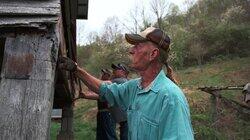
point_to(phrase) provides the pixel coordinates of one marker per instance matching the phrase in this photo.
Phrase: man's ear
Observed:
(154, 54)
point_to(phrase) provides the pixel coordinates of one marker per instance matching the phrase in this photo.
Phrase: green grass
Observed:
(83, 129)
(84, 123)
(222, 73)
(54, 129)
(219, 73)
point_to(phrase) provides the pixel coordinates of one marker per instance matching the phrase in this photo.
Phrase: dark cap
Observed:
(119, 66)
(152, 34)
(106, 71)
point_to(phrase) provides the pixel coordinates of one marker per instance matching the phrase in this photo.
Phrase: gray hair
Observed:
(163, 59)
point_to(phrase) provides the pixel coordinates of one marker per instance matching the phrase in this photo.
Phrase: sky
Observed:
(100, 10)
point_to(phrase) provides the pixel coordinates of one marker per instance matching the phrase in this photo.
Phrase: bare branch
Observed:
(159, 9)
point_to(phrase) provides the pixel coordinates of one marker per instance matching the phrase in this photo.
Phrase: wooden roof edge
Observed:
(82, 9)
(29, 11)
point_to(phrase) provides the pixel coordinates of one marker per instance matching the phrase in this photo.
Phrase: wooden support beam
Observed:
(66, 132)
(34, 31)
(27, 85)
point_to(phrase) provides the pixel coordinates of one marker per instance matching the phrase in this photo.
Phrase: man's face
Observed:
(117, 73)
(105, 76)
(140, 56)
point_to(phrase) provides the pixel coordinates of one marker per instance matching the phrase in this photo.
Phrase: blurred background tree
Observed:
(206, 30)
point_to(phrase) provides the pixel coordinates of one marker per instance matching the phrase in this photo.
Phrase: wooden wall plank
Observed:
(29, 11)
(31, 21)
(26, 104)
(11, 108)
(31, 3)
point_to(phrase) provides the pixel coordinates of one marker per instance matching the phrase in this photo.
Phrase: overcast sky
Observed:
(100, 10)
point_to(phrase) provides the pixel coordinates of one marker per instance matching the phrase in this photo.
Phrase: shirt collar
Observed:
(155, 84)
(119, 80)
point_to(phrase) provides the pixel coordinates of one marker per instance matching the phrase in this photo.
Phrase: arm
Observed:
(90, 81)
(90, 95)
(114, 94)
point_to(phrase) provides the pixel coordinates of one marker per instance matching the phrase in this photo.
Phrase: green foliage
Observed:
(234, 14)
(208, 29)
(102, 54)
(219, 73)
(208, 133)
(54, 129)
(83, 128)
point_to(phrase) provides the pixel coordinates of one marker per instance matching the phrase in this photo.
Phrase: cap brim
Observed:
(102, 70)
(134, 39)
(113, 66)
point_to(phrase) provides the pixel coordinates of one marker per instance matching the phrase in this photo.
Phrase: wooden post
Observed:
(27, 85)
(66, 132)
(214, 108)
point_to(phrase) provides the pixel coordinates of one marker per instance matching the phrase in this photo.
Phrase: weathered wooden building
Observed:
(33, 33)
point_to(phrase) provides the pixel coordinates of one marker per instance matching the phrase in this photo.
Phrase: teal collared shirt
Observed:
(159, 112)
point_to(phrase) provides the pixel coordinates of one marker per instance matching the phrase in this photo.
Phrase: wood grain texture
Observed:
(28, 21)
(31, 3)
(26, 104)
(28, 13)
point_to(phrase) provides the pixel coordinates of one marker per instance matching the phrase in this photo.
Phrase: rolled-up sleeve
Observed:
(115, 94)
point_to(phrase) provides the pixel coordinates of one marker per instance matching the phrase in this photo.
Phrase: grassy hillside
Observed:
(84, 121)
(229, 125)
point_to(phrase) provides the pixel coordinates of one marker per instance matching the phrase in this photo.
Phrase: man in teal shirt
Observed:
(157, 108)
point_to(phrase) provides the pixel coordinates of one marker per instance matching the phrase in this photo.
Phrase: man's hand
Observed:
(67, 64)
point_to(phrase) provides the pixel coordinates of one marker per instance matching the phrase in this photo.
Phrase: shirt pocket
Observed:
(148, 129)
